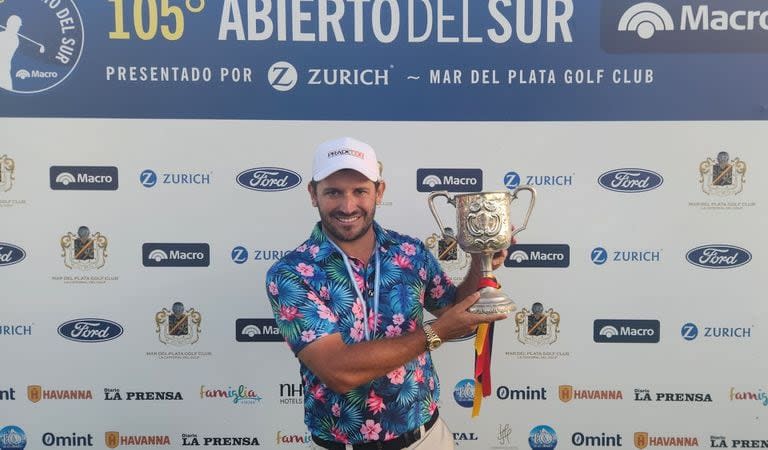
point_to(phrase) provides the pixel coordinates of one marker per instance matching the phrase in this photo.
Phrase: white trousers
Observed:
(439, 437)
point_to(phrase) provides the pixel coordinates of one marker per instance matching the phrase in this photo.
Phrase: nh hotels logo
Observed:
(688, 26)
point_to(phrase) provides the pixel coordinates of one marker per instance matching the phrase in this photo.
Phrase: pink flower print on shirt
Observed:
(305, 270)
(325, 313)
(336, 410)
(408, 248)
(308, 335)
(301, 248)
(375, 403)
(418, 375)
(273, 288)
(411, 325)
(359, 281)
(393, 330)
(371, 325)
(398, 319)
(312, 296)
(432, 408)
(357, 309)
(423, 359)
(370, 430)
(324, 294)
(389, 436)
(437, 291)
(313, 250)
(356, 332)
(288, 313)
(318, 392)
(431, 383)
(397, 376)
(423, 274)
(436, 279)
(339, 435)
(402, 261)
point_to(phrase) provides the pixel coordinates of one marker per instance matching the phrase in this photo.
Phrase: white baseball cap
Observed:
(345, 153)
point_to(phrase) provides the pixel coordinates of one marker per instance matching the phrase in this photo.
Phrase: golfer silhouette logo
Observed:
(40, 44)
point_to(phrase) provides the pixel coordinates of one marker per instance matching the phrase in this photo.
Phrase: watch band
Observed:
(433, 340)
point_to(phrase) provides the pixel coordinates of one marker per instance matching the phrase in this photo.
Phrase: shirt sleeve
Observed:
(440, 290)
(301, 313)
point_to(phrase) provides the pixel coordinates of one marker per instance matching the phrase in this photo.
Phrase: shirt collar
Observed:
(383, 240)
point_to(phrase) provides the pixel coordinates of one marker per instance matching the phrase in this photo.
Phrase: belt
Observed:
(402, 441)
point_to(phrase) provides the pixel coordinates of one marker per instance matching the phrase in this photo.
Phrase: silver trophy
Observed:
(483, 220)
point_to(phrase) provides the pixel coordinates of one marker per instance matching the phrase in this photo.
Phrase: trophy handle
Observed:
(530, 206)
(431, 201)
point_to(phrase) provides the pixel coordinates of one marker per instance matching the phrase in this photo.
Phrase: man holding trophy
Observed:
(350, 303)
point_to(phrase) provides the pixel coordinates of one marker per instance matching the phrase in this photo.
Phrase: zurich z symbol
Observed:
(599, 256)
(630, 180)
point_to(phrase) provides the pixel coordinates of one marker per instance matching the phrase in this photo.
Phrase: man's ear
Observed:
(312, 189)
(380, 192)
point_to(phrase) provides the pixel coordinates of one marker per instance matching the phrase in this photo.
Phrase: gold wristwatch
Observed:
(433, 340)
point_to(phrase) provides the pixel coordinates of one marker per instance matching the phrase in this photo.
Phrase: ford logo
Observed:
(630, 180)
(268, 179)
(11, 254)
(718, 256)
(90, 330)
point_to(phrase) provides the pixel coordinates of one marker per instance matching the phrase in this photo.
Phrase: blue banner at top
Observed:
(430, 60)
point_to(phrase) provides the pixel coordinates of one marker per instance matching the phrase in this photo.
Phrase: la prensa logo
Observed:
(630, 180)
(268, 179)
(718, 256)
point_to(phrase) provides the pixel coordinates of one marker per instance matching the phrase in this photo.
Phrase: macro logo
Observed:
(176, 255)
(90, 330)
(626, 331)
(452, 180)
(630, 180)
(12, 438)
(538, 255)
(464, 393)
(513, 179)
(542, 437)
(149, 178)
(718, 256)
(257, 330)
(83, 178)
(267, 179)
(11, 254)
(684, 26)
(45, 42)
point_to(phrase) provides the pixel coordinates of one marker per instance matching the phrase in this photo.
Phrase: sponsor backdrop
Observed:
(133, 252)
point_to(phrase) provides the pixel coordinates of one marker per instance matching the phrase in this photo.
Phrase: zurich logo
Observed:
(512, 180)
(630, 180)
(599, 255)
(11, 254)
(718, 256)
(268, 179)
(148, 178)
(689, 331)
(90, 330)
(239, 254)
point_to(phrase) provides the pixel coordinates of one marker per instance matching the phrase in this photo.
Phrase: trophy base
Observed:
(492, 301)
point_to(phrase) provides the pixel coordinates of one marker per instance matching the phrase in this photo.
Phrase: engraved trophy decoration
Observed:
(483, 220)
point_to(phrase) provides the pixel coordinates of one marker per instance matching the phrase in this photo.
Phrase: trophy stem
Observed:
(492, 299)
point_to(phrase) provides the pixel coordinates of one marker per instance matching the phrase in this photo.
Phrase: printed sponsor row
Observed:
(537, 326)
(540, 437)
(463, 394)
(718, 177)
(85, 251)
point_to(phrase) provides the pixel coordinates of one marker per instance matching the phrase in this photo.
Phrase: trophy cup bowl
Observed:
(484, 227)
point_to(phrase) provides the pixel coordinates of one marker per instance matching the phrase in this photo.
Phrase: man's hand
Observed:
(456, 321)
